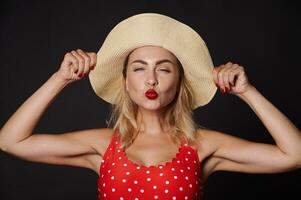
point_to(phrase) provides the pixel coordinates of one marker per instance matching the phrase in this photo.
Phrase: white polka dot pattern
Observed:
(120, 178)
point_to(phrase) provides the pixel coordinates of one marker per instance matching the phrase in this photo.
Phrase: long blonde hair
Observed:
(179, 115)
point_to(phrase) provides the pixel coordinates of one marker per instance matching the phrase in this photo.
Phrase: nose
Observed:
(151, 79)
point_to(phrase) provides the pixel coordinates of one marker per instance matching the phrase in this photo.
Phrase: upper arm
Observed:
(231, 153)
(70, 148)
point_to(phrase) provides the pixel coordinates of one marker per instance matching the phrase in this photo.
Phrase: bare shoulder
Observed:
(100, 139)
(208, 145)
(210, 139)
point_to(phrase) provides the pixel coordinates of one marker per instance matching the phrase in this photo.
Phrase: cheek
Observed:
(132, 84)
(169, 85)
(169, 90)
(129, 84)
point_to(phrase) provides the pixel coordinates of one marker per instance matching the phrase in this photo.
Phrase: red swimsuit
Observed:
(122, 179)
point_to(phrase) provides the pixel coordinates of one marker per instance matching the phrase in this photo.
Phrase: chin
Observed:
(150, 106)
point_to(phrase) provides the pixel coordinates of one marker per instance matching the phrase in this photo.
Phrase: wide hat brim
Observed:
(155, 30)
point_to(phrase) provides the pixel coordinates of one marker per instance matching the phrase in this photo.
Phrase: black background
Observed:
(262, 36)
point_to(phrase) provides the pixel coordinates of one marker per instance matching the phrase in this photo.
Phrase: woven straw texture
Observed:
(156, 30)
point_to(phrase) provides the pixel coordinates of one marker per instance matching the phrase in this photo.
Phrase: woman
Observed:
(155, 71)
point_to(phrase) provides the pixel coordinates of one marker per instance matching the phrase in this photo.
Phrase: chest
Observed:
(151, 153)
(174, 174)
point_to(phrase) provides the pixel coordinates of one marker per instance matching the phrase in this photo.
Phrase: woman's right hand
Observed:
(76, 65)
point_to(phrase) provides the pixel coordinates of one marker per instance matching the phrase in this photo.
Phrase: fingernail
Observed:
(227, 89)
(223, 90)
(217, 85)
(80, 75)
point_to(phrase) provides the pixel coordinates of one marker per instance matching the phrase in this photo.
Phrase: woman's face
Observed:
(152, 67)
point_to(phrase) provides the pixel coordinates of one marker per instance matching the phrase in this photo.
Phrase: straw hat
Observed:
(156, 30)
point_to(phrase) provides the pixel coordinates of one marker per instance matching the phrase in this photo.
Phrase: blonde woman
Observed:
(154, 70)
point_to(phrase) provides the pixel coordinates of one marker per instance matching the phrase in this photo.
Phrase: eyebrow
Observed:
(157, 63)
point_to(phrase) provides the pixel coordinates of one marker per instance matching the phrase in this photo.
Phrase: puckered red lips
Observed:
(151, 94)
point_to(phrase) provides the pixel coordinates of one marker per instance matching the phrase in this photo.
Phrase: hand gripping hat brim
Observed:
(156, 30)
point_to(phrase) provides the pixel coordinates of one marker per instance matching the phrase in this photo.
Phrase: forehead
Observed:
(153, 52)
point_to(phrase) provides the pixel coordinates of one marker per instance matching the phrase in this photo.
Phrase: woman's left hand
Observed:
(231, 78)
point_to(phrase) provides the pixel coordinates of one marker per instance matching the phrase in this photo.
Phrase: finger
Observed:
(229, 63)
(81, 63)
(218, 70)
(86, 61)
(228, 75)
(241, 74)
(223, 78)
(232, 74)
(93, 57)
(215, 78)
(68, 58)
(71, 60)
(226, 78)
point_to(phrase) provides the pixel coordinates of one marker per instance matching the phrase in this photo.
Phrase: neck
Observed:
(152, 122)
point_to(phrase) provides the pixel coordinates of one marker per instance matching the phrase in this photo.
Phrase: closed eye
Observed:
(165, 70)
(137, 69)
